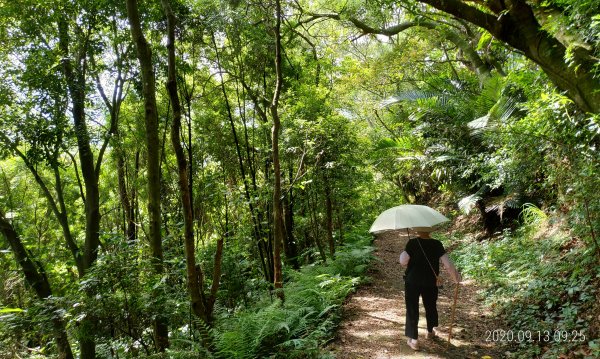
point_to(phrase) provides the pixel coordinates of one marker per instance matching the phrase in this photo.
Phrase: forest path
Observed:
(373, 317)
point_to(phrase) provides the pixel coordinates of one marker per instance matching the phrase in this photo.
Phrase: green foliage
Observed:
(553, 153)
(541, 283)
(444, 131)
(533, 217)
(296, 328)
(31, 328)
(576, 22)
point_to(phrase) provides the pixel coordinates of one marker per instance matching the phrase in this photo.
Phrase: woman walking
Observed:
(421, 258)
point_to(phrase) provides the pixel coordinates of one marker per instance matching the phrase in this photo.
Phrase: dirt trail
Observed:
(373, 324)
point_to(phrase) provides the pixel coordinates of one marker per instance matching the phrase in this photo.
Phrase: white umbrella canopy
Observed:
(413, 216)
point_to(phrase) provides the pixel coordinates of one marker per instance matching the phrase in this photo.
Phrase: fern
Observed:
(532, 216)
(498, 114)
(295, 328)
(409, 95)
(466, 204)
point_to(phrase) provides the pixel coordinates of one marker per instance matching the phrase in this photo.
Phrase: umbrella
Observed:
(413, 216)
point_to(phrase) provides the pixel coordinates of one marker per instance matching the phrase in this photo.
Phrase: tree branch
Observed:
(481, 68)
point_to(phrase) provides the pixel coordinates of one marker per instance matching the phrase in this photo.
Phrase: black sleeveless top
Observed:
(418, 271)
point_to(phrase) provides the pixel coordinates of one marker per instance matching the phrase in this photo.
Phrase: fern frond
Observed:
(532, 216)
(498, 114)
(466, 204)
(409, 95)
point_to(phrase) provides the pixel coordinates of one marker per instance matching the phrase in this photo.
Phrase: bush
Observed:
(545, 285)
(296, 328)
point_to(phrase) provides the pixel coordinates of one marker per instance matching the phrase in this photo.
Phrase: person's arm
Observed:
(447, 262)
(404, 258)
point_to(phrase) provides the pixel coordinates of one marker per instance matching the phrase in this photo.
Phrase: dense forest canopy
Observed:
(168, 165)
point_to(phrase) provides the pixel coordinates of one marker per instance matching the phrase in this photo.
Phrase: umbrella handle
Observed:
(453, 311)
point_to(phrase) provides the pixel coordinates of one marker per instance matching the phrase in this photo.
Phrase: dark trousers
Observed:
(411, 294)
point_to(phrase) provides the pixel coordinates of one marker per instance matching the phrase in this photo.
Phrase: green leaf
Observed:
(484, 40)
(10, 310)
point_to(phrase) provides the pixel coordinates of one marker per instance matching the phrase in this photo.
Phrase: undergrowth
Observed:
(293, 329)
(545, 287)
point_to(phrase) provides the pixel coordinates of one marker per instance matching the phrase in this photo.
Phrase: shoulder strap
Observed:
(426, 258)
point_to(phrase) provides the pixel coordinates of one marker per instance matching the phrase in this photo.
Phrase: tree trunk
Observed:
(315, 226)
(256, 227)
(63, 220)
(126, 201)
(276, 129)
(75, 79)
(144, 54)
(289, 245)
(76, 83)
(200, 304)
(514, 23)
(37, 279)
(113, 105)
(340, 224)
(329, 218)
(267, 240)
(216, 280)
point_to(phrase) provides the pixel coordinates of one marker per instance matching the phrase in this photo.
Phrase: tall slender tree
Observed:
(144, 54)
(201, 303)
(275, 132)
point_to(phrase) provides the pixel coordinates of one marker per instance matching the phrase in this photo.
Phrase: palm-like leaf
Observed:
(466, 204)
